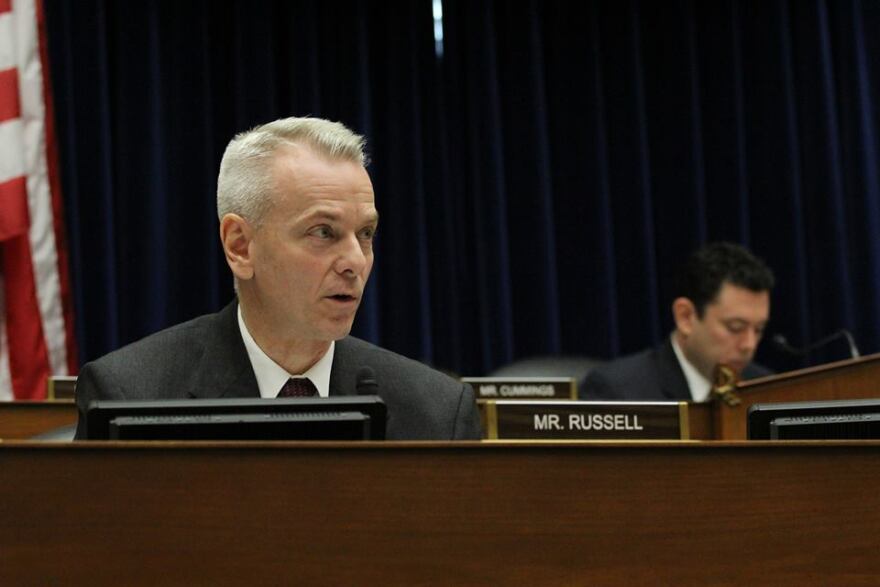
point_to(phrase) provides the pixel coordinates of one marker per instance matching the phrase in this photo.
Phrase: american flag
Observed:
(36, 325)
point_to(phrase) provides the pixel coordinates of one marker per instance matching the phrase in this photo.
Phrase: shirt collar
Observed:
(697, 382)
(271, 376)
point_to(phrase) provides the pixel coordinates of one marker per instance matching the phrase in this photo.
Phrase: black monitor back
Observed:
(332, 418)
(815, 420)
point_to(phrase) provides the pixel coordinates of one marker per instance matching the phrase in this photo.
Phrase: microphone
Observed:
(780, 342)
(365, 381)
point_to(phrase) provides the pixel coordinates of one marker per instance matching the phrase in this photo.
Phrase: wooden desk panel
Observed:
(439, 514)
(24, 419)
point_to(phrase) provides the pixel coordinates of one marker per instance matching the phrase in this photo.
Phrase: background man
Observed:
(720, 311)
(297, 222)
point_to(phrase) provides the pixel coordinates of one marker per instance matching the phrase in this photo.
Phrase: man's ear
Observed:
(236, 235)
(685, 314)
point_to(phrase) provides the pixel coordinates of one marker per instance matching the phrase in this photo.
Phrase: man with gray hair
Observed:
(297, 222)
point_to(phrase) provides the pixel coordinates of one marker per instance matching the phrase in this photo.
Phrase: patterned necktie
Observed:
(299, 387)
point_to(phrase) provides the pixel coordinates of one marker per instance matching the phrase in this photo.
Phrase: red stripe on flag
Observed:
(14, 217)
(10, 106)
(28, 355)
(57, 205)
(5, 6)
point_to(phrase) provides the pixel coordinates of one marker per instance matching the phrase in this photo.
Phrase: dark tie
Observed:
(299, 387)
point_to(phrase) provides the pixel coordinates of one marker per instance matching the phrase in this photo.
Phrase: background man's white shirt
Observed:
(697, 383)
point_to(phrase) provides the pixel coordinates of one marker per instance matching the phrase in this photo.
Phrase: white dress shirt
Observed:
(271, 376)
(697, 382)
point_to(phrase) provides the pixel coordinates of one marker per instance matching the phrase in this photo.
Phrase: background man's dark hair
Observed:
(710, 266)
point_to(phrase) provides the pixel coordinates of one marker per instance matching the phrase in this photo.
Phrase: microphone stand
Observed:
(781, 342)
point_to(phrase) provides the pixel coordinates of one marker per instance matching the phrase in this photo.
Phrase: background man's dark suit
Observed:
(206, 358)
(651, 375)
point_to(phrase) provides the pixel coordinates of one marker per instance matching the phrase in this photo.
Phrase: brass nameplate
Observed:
(566, 420)
(533, 388)
(61, 387)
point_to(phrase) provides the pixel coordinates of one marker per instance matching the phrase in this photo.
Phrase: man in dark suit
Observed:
(297, 221)
(720, 312)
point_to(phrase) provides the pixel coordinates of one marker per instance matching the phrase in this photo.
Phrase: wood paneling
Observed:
(439, 513)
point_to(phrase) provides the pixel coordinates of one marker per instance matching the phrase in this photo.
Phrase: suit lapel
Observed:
(225, 369)
(342, 372)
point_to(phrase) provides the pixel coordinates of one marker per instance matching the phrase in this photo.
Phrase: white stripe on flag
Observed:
(30, 68)
(7, 53)
(11, 155)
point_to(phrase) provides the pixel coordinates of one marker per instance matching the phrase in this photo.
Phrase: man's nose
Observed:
(749, 340)
(352, 258)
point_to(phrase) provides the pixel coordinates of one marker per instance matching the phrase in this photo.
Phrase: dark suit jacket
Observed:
(651, 375)
(206, 358)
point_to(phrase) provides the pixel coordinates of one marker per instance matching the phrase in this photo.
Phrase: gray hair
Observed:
(245, 183)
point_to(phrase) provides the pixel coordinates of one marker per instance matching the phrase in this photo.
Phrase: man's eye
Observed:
(322, 232)
(735, 327)
(368, 233)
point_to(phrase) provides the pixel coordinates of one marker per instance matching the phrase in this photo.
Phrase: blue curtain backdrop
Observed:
(538, 184)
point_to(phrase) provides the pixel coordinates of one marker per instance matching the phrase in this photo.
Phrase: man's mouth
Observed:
(344, 298)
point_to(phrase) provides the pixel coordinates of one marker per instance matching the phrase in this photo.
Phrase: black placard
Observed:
(530, 388)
